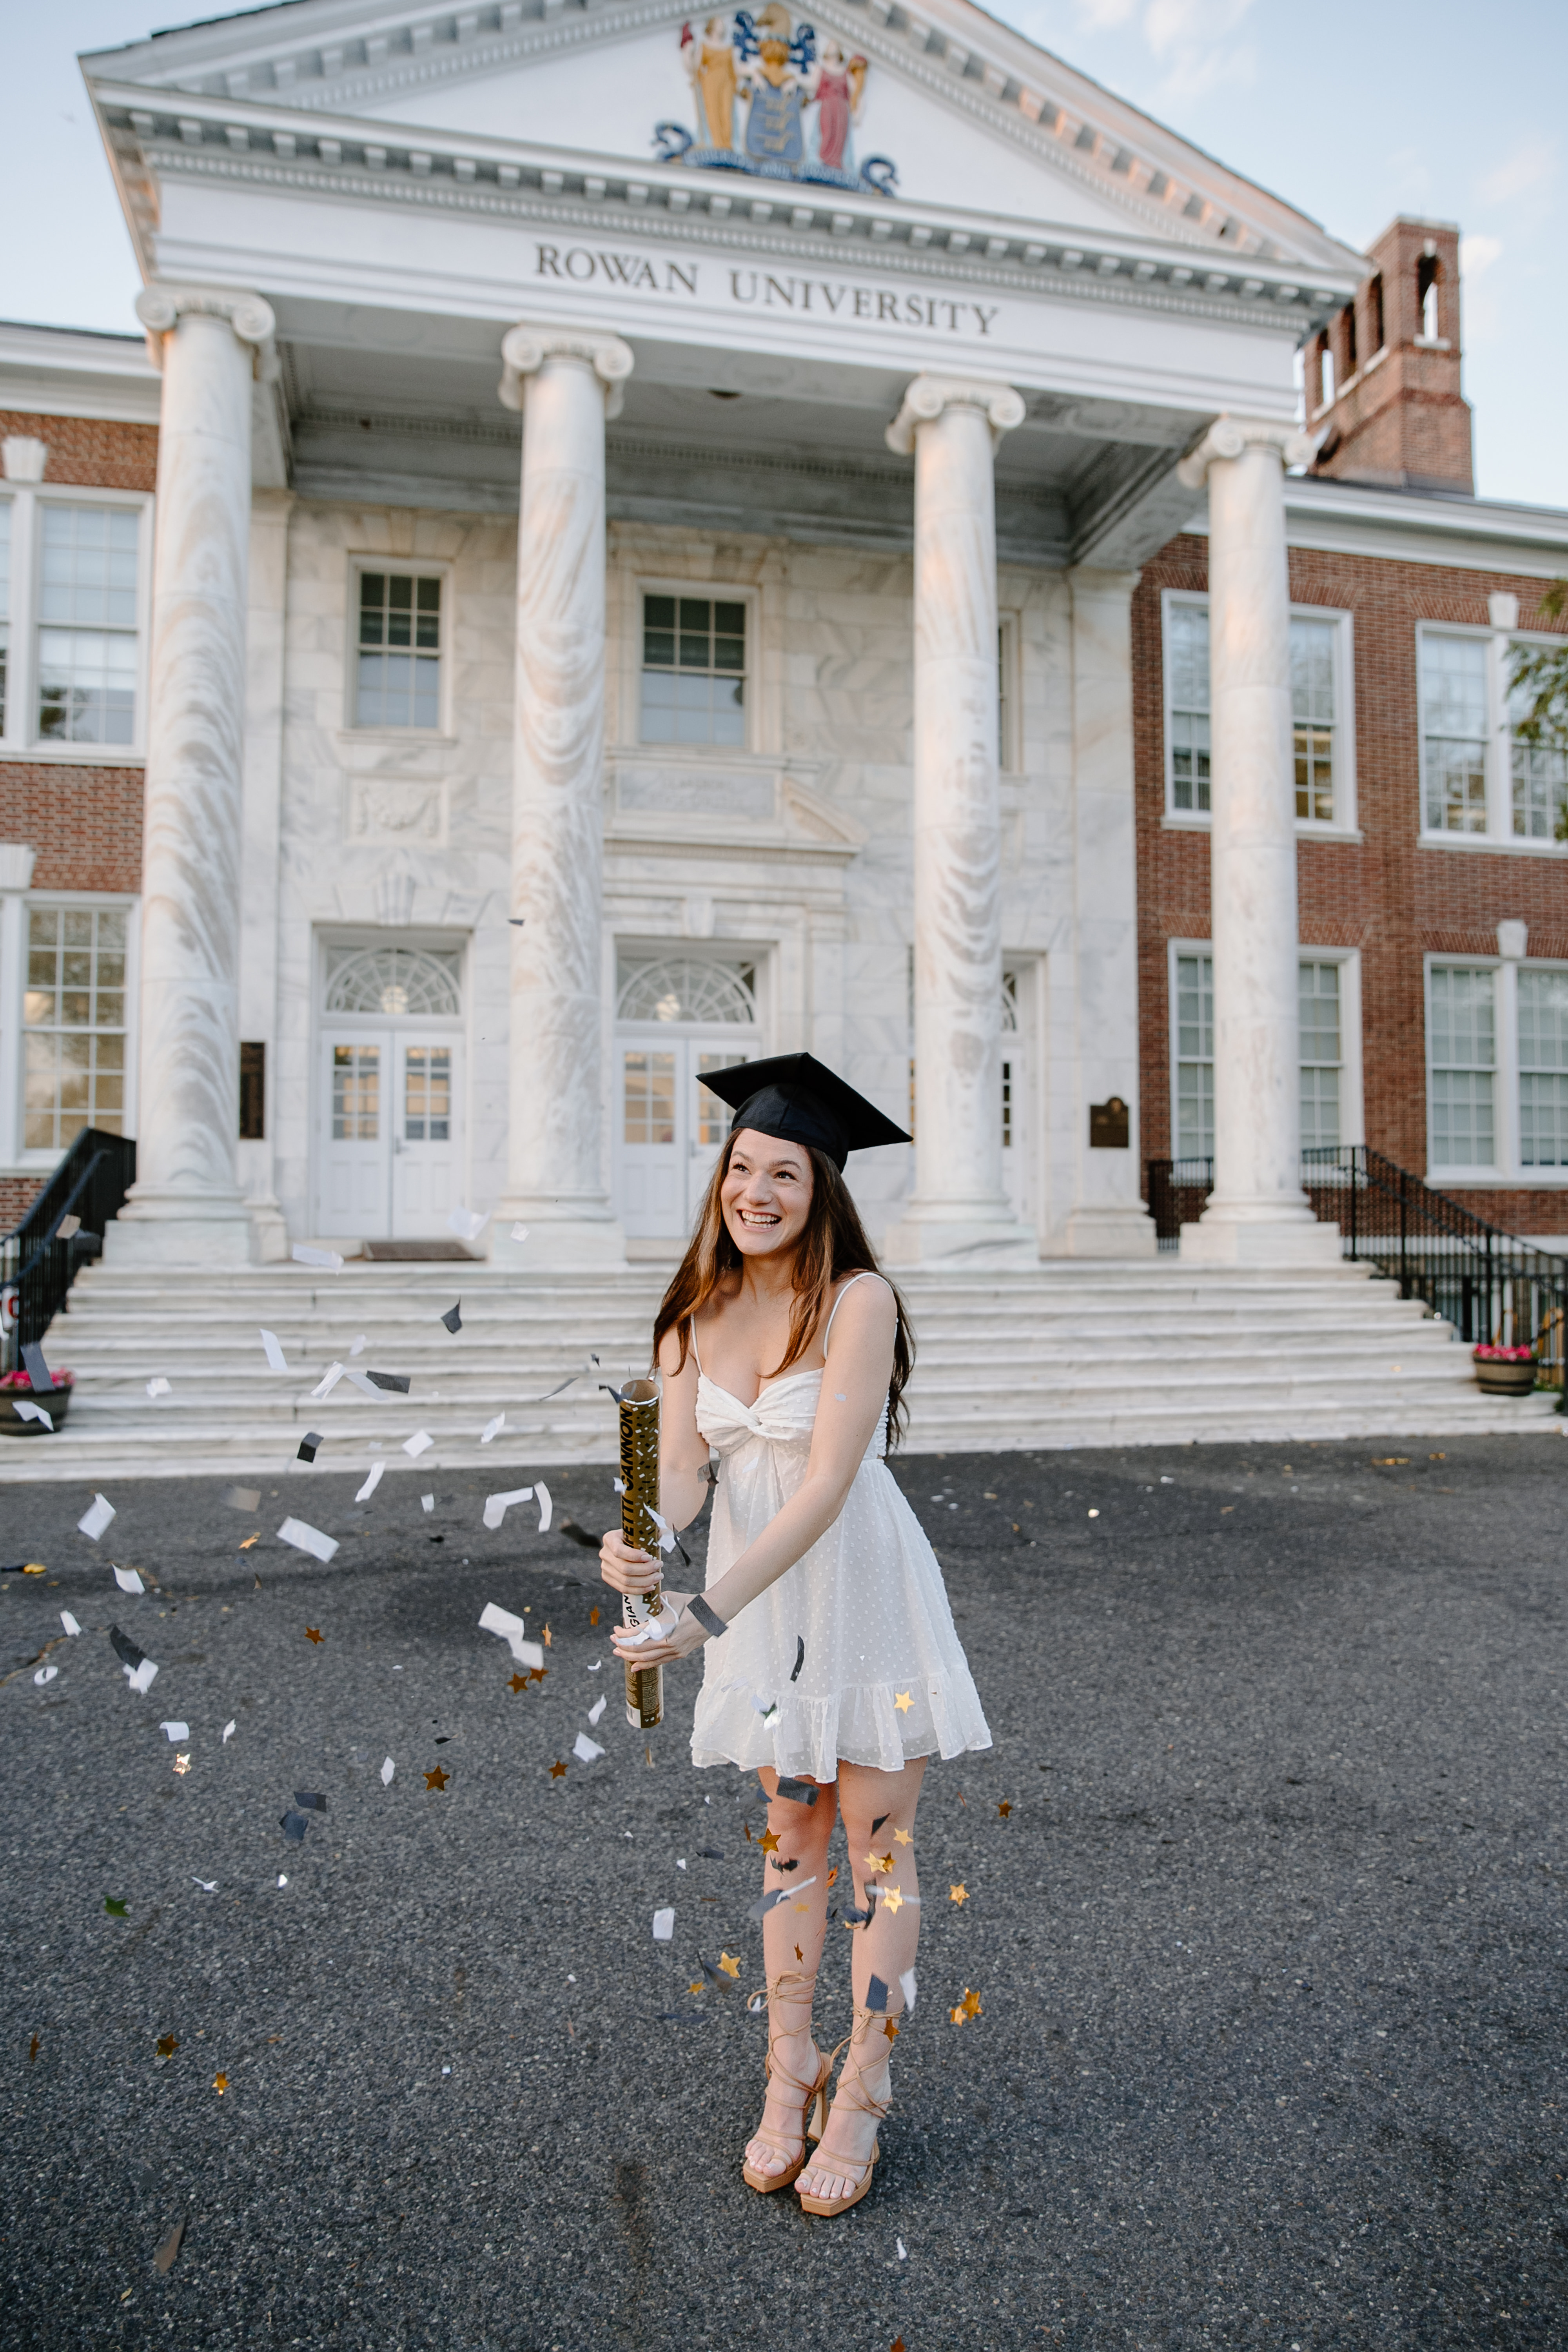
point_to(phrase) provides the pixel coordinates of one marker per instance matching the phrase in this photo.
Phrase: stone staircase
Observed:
(1067, 1353)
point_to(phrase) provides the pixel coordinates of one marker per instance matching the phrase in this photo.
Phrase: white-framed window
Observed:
(1331, 1050)
(400, 627)
(1321, 706)
(75, 583)
(1497, 1070)
(694, 658)
(78, 1000)
(1479, 787)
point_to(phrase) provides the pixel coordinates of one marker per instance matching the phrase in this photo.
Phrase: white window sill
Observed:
(1495, 1179)
(397, 735)
(1185, 821)
(73, 755)
(1497, 844)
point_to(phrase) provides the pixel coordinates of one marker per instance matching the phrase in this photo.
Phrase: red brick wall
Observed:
(17, 1194)
(91, 451)
(1394, 899)
(84, 823)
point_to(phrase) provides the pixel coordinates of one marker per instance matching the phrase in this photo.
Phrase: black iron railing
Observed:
(1490, 1285)
(38, 1263)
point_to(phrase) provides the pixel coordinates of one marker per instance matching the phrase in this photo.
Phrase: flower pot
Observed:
(55, 1401)
(1505, 1380)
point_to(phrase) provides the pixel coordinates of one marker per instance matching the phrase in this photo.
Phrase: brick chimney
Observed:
(1383, 377)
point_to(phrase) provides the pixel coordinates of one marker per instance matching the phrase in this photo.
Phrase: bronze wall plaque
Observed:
(1110, 1129)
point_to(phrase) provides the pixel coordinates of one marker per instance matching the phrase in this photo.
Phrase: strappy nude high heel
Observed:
(852, 2167)
(798, 1990)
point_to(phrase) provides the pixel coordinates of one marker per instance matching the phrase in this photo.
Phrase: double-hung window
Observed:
(1543, 1068)
(397, 678)
(1319, 713)
(1497, 1071)
(73, 589)
(1323, 1055)
(1461, 1084)
(1479, 784)
(1330, 1050)
(73, 1024)
(1454, 729)
(5, 607)
(694, 671)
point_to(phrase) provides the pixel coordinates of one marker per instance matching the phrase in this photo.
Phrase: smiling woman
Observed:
(833, 1668)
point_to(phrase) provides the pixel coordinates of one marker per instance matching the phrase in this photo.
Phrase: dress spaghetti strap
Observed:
(696, 1350)
(869, 1274)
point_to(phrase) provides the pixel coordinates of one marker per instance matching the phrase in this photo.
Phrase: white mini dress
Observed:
(884, 1676)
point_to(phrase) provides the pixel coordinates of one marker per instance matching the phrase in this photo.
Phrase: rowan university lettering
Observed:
(819, 298)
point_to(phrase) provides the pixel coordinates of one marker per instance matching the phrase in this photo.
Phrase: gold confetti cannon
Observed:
(637, 1404)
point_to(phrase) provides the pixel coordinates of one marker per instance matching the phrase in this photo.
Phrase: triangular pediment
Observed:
(969, 114)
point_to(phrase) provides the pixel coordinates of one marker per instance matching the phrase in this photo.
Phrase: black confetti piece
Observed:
(787, 1865)
(877, 1994)
(307, 1445)
(125, 1649)
(310, 1800)
(768, 1902)
(294, 1825)
(799, 1792)
(397, 1382)
(708, 1854)
(38, 1372)
(452, 1318)
(799, 1657)
(877, 1823)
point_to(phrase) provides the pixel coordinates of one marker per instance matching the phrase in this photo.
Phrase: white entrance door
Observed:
(668, 1128)
(389, 1133)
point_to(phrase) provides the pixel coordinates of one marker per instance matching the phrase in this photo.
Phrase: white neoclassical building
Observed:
(646, 522)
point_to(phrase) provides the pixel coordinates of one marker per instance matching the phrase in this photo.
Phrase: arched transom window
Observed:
(689, 989)
(395, 983)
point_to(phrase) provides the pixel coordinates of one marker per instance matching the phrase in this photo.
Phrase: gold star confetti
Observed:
(593, 1616)
(903, 1702)
(537, 1674)
(694, 1988)
(894, 1899)
(33, 2048)
(1002, 1810)
(732, 1967)
(833, 1876)
(889, 2029)
(183, 1763)
(220, 2083)
(903, 1837)
(956, 2015)
(546, 1637)
(798, 1953)
(879, 1861)
(518, 1682)
(436, 1779)
(971, 2003)
(312, 1633)
(35, 1568)
(557, 1769)
(768, 1842)
(248, 1541)
(959, 1894)
(167, 2045)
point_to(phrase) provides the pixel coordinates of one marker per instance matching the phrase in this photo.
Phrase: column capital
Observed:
(926, 396)
(161, 308)
(526, 347)
(1229, 436)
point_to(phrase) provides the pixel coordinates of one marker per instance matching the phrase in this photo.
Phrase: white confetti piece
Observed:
(229, 1731)
(492, 1429)
(128, 1581)
(598, 1709)
(306, 1539)
(596, 1664)
(282, 1878)
(619, 1484)
(903, 2250)
(97, 1518)
(907, 1987)
(276, 1360)
(142, 1678)
(172, 1731)
(46, 1674)
(681, 1862)
(664, 1925)
(420, 1442)
(387, 1770)
(511, 1631)
(360, 1345)
(468, 1223)
(585, 1749)
(207, 1885)
(303, 1254)
(26, 1409)
(327, 1382)
(498, 1505)
(541, 1496)
(68, 1622)
(159, 1386)
(426, 1502)
(520, 1233)
(372, 1482)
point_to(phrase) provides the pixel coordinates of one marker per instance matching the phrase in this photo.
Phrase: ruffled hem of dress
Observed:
(861, 1724)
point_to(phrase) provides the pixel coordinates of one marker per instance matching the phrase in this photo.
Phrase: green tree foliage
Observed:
(1538, 687)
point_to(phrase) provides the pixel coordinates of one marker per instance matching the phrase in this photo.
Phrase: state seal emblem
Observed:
(795, 106)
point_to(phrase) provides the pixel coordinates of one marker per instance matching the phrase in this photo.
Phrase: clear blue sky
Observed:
(1353, 109)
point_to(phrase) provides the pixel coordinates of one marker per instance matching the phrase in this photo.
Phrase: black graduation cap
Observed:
(797, 1098)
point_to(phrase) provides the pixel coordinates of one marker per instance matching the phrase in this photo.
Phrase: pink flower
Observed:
(1485, 1355)
(21, 1380)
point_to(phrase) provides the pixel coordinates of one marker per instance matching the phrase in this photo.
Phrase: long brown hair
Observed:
(833, 1246)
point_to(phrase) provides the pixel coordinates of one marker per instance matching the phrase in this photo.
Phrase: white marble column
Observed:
(1107, 1218)
(951, 424)
(1258, 1214)
(186, 1207)
(266, 657)
(566, 382)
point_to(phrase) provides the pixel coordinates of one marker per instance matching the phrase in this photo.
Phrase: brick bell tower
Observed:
(1383, 377)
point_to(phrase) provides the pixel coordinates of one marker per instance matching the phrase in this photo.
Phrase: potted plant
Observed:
(1505, 1371)
(16, 1388)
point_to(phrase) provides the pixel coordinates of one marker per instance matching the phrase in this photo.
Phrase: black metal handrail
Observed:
(38, 1262)
(1490, 1285)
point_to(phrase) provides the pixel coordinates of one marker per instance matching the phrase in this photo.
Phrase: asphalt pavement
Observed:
(1262, 1906)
